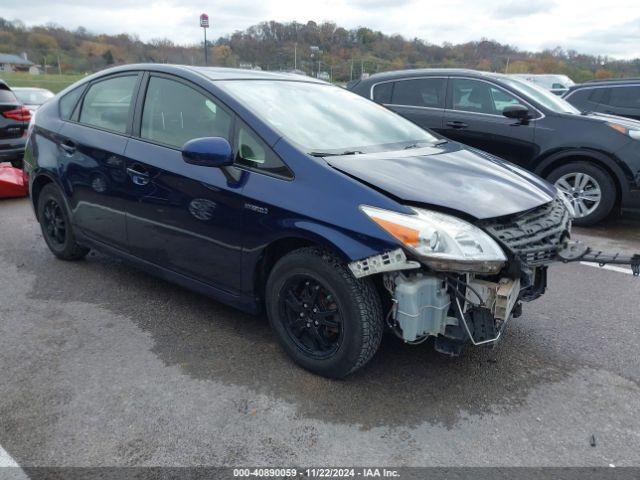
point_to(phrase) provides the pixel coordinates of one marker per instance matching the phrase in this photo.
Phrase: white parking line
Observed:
(15, 472)
(613, 268)
(6, 460)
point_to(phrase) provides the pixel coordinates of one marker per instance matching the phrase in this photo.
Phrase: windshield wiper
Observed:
(333, 154)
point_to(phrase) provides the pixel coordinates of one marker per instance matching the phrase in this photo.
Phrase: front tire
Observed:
(590, 189)
(328, 321)
(55, 223)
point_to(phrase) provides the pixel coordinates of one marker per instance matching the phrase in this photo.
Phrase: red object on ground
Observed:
(13, 182)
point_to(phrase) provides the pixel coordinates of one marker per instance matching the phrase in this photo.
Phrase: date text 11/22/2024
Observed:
(316, 472)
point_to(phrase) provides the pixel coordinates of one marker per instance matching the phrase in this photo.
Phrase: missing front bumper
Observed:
(435, 305)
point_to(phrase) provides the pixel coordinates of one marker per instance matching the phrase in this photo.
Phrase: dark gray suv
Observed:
(612, 96)
(14, 120)
(593, 158)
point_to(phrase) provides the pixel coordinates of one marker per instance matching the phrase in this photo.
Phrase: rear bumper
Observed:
(13, 149)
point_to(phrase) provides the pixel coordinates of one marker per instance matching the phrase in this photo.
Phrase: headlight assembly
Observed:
(633, 133)
(442, 242)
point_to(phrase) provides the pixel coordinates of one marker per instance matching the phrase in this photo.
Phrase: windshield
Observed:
(33, 97)
(540, 95)
(321, 118)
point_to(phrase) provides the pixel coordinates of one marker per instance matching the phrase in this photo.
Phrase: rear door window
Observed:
(175, 113)
(627, 97)
(420, 92)
(107, 103)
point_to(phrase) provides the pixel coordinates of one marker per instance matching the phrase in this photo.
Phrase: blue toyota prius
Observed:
(281, 193)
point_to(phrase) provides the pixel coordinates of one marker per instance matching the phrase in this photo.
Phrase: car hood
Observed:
(451, 177)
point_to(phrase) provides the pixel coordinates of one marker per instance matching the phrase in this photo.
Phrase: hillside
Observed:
(271, 45)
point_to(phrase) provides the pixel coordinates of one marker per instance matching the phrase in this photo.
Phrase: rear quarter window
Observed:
(382, 92)
(68, 102)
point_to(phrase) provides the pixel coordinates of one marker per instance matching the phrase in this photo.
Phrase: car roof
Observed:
(613, 80)
(429, 72)
(222, 73)
(211, 73)
(606, 83)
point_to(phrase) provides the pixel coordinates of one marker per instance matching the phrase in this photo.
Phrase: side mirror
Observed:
(208, 152)
(517, 112)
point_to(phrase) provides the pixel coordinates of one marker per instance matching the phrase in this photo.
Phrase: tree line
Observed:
(324, 49)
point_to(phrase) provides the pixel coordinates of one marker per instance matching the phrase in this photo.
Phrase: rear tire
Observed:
(328, 321)
(581, 182)
(55, 223)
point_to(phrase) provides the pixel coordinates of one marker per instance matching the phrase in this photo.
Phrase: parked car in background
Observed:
(284, 193)
(556, 84)
(14, 119)
(611, 96)
(594, 159)
(32, 98)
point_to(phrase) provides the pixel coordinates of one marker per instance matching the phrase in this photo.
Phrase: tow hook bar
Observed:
(577, 252)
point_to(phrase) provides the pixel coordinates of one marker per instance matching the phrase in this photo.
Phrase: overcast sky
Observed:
(590, 26)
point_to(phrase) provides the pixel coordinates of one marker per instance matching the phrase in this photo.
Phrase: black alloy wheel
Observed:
(328, 321)
(311, 316)
(53, 223)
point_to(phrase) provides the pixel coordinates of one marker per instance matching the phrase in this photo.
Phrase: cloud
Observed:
(522, 8)
(614, 41)
(584, 25)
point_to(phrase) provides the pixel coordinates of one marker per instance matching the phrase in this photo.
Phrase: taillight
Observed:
(21, 114)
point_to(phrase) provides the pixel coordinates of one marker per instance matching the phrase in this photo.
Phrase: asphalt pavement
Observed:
(103, 365)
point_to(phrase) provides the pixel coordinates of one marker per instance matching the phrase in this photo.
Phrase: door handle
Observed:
(137, 177)
(457, 124)
(68, 146)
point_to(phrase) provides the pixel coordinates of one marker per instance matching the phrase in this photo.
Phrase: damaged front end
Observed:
(461, 283)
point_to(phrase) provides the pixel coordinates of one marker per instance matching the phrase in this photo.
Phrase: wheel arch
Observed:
(599, 159)
(345, 247)
(37, 184)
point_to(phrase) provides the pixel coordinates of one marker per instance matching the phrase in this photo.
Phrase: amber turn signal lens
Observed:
(617, 127)
(406, 235)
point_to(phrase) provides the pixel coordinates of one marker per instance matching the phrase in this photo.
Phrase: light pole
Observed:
(204, 23)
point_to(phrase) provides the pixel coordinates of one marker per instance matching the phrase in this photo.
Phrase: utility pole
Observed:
(351, 73)
(295, 56)
(204, 23)
(59, 68)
